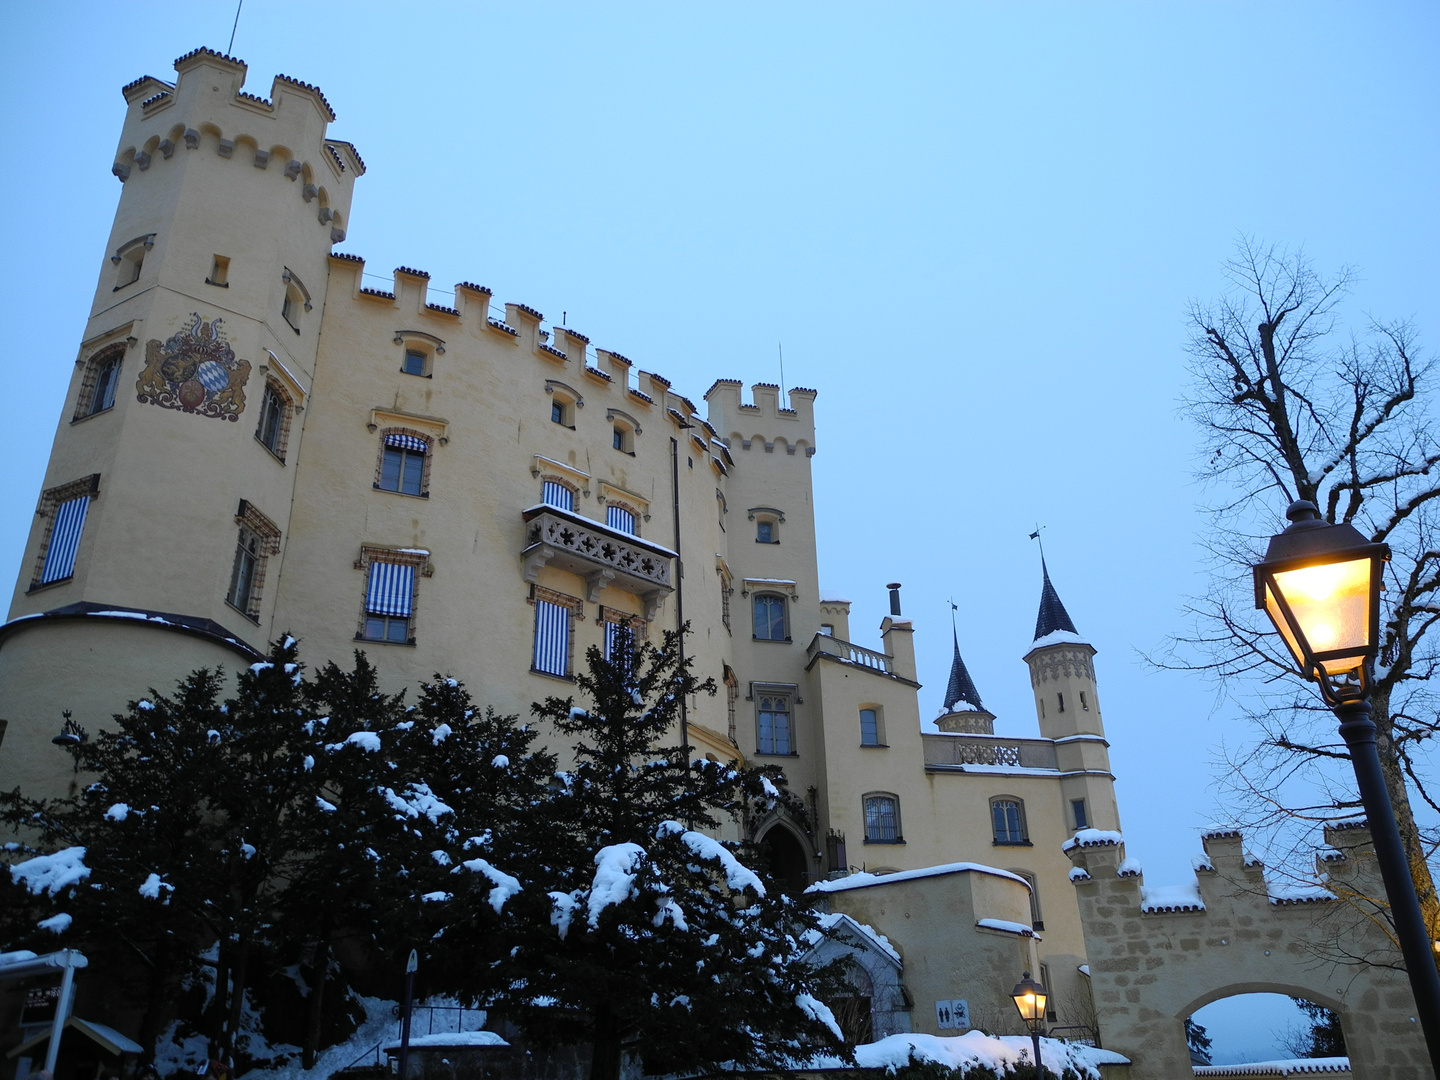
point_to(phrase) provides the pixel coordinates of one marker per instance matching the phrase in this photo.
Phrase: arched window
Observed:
(872, 726)
(404, 464)
(97, 388)
(882, 818)
(1007, 816)
(296, 301)
(557, 493)
(770, 622)
(621, 518)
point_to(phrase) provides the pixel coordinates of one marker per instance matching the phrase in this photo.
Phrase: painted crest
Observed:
(195, 371)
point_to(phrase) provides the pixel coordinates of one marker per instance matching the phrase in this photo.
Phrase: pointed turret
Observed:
(961, 688)
(1053, 618)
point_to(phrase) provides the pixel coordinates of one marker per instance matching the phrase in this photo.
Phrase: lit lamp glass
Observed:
(1320, 586)
(1030, 997)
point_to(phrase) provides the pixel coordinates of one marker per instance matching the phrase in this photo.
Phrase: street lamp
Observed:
(1320, 586)
(1030, 997)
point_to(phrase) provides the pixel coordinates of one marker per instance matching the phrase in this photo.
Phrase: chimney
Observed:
(894, 588)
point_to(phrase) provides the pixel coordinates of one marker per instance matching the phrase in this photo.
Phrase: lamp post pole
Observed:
(1357, 728)
(1030, 998)
(1320, 585)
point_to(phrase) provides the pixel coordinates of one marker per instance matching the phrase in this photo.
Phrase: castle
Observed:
(255, 441)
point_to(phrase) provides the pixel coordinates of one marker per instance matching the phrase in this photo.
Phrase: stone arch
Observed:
(787, 855)
(1311, 991)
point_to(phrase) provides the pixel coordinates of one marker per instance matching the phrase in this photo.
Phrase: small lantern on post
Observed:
(1320, 585)
(1030, 998)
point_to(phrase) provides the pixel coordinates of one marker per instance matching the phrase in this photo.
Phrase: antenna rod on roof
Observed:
(781, 347)
(1036, 536)
(230, 48)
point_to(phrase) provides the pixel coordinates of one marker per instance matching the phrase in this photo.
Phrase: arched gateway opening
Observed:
(785, 856)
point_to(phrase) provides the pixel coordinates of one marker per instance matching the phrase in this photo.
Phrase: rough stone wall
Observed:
(1158, 955)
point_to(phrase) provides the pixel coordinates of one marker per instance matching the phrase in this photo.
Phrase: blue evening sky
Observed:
(975, 228)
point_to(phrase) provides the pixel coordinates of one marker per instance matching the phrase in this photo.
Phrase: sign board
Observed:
(953, 1014)
(40, 1003)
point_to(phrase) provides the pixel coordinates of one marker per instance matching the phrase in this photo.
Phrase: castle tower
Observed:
(161, 528)
(962, 711)
(1067, 705)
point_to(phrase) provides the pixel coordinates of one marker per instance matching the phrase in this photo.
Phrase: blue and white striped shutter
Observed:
(612, 634)
(391, 591)
(558, 495)
(65, 539)
(407, 442)
(617, 517)
(552, 638)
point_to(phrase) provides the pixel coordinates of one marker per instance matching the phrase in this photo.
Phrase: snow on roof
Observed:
(1297, 894)
(1292, 1067)
(972, 1049)
(992, 770)
(828, 597)
(1171, 898)
(449, 1039)
(1092, 838)
(1058, 637)
(865, 879)
(838, 918)
(1005, 926)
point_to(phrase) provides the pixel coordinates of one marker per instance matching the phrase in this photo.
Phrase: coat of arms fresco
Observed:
(196, 371)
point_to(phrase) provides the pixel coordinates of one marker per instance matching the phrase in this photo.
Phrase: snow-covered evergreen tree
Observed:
(638, 930)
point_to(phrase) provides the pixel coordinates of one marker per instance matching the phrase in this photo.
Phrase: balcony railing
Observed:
(851, 654)
(983, 750)
(599, 554)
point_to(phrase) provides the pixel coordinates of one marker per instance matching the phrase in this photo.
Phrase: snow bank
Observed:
(448, 1039)
(973, 1049)
(52, 873)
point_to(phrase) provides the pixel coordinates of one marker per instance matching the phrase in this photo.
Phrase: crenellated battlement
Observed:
(763, 424)
(208, 109)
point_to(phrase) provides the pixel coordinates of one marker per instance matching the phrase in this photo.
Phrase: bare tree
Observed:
(1291, 403)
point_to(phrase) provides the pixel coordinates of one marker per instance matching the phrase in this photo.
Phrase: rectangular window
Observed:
(64, 545)
(1008, 818)
(869, 728)
(552, 638)
(764, 532)
(414, 362)
(271, 430)
(772, 723)
(219, 272)
(557, 412)
(558, 495)
(402, 464)
(617, 517)
(1077, 807)
(389, 602)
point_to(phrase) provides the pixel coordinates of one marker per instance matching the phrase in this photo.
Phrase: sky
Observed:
(976, 229)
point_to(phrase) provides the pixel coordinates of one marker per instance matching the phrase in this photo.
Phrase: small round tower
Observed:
(1067, 704)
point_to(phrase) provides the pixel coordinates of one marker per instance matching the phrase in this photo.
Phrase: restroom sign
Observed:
(952, 1014)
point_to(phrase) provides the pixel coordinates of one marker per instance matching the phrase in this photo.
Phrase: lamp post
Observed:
(1029, 997)
(1320, 586)
(411, 965)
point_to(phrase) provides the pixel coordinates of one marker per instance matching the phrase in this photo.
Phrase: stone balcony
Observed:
(825, 644)
(597, 553)
(986, 751)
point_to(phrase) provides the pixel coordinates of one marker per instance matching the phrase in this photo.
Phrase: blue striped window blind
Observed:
(407, 442)
(552, 638)
(617, 517)
(64, 539)
(555, 494)
(392, 589)
(614, 632)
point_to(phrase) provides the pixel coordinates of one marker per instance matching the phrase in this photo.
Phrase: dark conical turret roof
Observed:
(961, 687)
(1053, 615)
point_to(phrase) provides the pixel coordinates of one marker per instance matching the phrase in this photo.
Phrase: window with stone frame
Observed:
(273, 429)
(557, 492)
(769, 617)
(1036, 919)
(404, 464)
(258, 540)
(63, 510)
(774, 719)
(555, 617)
(622, 517)
(390, 602)
(129, 259)
(882, 818)
(1007, 818)
(618, 625)
(732, 694)
(100, 382)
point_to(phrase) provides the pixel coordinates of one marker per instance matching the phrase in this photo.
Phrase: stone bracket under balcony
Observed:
(599, 554)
